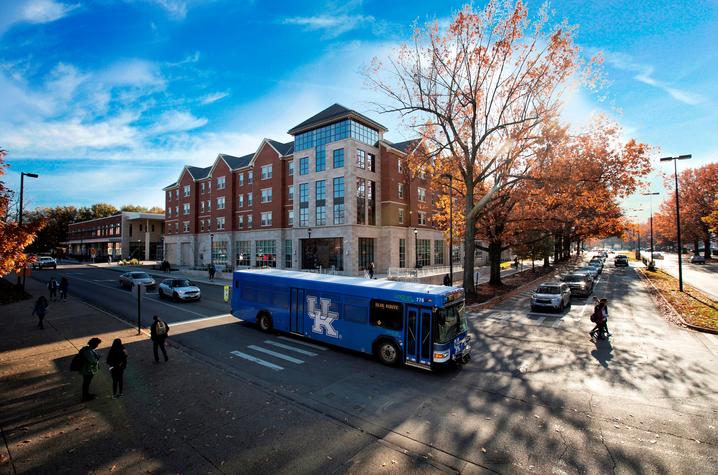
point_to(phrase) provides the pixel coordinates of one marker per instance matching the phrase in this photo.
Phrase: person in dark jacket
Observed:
(63, 288)
(40, 310)
(158, 333)
(447, 280)
(212, 270)
(371, 270)
(117, 362)
(52, 287)
(90, 366)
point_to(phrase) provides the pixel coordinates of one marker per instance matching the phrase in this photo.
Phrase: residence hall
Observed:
(338, 197)
(127, 234)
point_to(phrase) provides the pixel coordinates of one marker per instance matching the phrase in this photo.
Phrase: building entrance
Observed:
(323, 252)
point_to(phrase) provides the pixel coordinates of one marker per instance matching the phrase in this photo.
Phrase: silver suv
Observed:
(581, 285)
(551, 295)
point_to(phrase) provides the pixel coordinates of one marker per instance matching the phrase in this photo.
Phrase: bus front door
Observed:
(296, 310)
(417, 335)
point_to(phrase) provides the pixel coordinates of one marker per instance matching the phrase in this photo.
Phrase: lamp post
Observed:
(19, 219)
(678, 214)
(416, 248)
(451, 226)
(309, 232)
(650, 201)
(211, 248)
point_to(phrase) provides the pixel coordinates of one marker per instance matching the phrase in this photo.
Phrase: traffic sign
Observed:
(226, 293)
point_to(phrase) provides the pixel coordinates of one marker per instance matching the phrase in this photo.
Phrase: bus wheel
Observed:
(388, 353)
(264, 322)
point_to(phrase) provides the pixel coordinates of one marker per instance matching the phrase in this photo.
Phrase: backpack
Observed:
(78, 361)
(161, 329)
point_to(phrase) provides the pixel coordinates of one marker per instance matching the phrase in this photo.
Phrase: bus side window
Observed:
(354, 313)
(389, 315)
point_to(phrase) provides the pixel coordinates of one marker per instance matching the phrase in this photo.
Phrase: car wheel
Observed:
(175, 296)
(533, 308)
(264, 322)
(160, 294)
(388, 353)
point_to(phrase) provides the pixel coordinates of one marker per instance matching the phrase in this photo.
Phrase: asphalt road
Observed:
(538, 395)
(703, 277)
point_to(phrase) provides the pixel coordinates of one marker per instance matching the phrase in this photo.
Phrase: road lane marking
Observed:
(557, 323)
(186, 322)
(540, 320)
(259, 361)
(281, 356)
(310, 345)
(290, 348)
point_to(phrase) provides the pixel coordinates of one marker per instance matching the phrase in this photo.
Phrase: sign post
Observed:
(226, 293)
(137, 289)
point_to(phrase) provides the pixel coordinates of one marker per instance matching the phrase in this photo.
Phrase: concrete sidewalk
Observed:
(186, 416)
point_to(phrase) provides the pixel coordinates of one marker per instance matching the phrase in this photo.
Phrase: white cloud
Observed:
(331, 26)
(132, 72)
(176, 121)
(176, 8)
(32, 11)
(213, 97)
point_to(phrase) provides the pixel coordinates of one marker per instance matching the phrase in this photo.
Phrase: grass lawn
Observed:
(694, 307)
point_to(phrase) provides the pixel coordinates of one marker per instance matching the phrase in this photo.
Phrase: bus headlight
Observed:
(441, 356)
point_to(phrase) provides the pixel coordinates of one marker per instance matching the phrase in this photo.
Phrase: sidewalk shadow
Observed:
(603, 352)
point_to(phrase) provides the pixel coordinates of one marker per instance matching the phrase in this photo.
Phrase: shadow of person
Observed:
(603, 352)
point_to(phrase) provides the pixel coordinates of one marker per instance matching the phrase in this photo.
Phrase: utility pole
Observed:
(19, 219)
(451, 226)
(678, 215)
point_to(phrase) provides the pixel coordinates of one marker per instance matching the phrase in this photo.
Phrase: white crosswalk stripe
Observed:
(259, 361)
(290, 348)
(310, 345)
(276, 354)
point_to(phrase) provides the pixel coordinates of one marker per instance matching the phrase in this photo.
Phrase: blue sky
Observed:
(108, 99)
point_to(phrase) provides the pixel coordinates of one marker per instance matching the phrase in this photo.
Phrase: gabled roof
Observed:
(284, 149)
(170, 186)
(331, 114)
(236, 162)
(197, 172)
(406, 146)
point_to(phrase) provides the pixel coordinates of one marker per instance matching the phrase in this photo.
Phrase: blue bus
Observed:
(398, 322)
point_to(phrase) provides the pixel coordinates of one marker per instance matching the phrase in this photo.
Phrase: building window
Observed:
(361, 201)
(338, 188)
(321, 215)
(266, 172)
(220, 223)
(266, 195)
(243, 253)
(240, 200)
(266, 218)
(220, 202)
(250, 177)
(290, 168)
(303, 204)
(209, 206)
(402, 252)
(288, 254)
(240, 221)
(366, 252)
(304, 193)
(423, 247)
(250, 199)
(338, 158)
(219, 253)
(177, 194)
(320, 190)
(371, 202)
(361, 159)
(422, 174)
(186, 190)
(176, 228)
(401, 215)
(304, 165)
(176, 210)
(186, 208)
(303, 217)
(241, 179)
(399, 167)
(400, 190)
(422, 218)
(290, 192)
(201, 225)
(220, 183)
(202, 187)
(185, 226)
(439, 252)
(209, 186)
(370, 160)
(201, 206)
(290, 217)
(338, 211)
(320, 159)
(266, 253)
(169, 196)
(422, 194)
(338, 201)
(250, 220)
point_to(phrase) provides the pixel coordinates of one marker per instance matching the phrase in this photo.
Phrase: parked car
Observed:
(551, 295)
(592, 271)
(657, 255)
(595, 265)
(581, 285)
(179, 289)
(620, 261)
(130, 279)
(45, 262)
(698, 259)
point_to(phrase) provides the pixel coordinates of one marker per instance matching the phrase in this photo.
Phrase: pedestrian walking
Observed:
(447, 280)
(117, 362)
(604, 309)
(371, 270)
(90, 366)
(52, 286)
(158, 333)
(211, 269)
(598, 319)
(63, 288)
(40, 310)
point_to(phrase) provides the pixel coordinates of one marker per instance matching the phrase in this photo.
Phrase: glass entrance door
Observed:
(417, 335)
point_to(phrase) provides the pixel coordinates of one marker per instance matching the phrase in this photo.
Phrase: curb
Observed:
(675, 312)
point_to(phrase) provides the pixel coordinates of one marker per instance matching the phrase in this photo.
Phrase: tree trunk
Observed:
(469, 250)
(707, 247)
(495, 262)
(557, 248)
(546, 262)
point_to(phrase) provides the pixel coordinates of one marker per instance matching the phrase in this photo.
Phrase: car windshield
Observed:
(180, 283)
(573, 278)
(588, 269)
(140, 275)
(548, 289)
(449, 322)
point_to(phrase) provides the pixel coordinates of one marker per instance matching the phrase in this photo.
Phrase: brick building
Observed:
(337, 196)
(128, 234)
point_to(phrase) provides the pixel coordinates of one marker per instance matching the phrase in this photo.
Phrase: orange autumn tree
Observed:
(476, 92)
(13, 237)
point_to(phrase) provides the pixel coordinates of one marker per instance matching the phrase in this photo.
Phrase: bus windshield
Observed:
(450, 322)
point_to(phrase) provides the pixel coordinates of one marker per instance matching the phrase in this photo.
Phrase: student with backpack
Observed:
(597, 317)
(40, 310)
(87, 362)
(158, 333)
(117, 362)
(52, 286)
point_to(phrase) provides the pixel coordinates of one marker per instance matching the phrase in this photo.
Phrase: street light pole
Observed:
(650, 200)
(451, 226)
(678, 215)
(416, 248)
(211, 248)
(19, 219)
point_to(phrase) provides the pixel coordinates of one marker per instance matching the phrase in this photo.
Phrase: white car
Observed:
(179, 289)
(43, 262)
(130, 279)
(551, 295)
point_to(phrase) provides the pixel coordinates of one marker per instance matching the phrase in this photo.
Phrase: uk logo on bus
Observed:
(322, 317)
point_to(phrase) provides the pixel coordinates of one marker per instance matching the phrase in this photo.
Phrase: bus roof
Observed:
(368, 284)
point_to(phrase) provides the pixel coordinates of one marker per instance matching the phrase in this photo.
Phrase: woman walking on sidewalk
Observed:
(40, 310)
(117, 361)
(90, 366)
